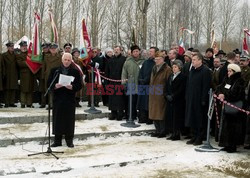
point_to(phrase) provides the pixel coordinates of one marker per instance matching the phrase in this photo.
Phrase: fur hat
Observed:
(178, 63)
(234, 67)
(188, 54)
(108, 49)
(134, 48)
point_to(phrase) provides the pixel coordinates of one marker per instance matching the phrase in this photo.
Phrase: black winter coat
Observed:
(114, 71)
(176, 108)
(144, 79)
(198, 85)
(64, 103)
(233, 126)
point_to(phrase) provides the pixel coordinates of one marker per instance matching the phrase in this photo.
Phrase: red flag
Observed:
(85, 46)
(245, 46)
(33, 66)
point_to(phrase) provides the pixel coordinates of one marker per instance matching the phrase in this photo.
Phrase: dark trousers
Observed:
(160, 127)
(9, 96)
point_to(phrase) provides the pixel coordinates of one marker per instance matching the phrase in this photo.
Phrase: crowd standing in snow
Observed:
(169, 90)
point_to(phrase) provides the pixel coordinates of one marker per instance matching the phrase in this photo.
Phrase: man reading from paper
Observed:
(67, 83)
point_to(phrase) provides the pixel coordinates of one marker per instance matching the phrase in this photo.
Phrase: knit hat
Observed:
(234, 67)
(178, 63)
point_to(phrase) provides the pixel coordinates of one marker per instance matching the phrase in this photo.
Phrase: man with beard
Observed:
(113, 70)
(143, 81)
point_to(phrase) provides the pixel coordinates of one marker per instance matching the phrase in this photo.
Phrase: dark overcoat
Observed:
(11, 71)
(176, 108)
(144, 79)
(26, 76)
(233, 126)
(64, 103)
(1, 73)
(113, 70)
(198, 85)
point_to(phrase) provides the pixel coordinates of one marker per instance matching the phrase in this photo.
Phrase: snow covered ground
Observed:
(123, 156)
(119, 155)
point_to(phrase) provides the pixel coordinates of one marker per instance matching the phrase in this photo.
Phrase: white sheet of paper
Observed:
(65, 80)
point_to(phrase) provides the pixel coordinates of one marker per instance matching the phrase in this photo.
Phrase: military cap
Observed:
(45, 45)
(67, 44)
(244, 58)
(53, 45)
(9, 44)
(23, 43)
(220, 52)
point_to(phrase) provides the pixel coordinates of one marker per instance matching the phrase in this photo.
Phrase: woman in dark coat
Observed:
(64, 101)
(175, 96)
(232, 127)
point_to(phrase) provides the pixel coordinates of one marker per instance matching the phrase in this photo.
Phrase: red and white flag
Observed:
(181, 47)
(247, 31)
(54, 34)
(245, 46)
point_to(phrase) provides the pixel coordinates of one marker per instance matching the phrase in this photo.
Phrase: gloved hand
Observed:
(169, 98)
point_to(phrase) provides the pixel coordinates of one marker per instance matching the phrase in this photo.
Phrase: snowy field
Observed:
(123, 156)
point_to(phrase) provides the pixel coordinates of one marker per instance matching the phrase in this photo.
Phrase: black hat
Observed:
(67, 44)
(45, 45)
(244, 58)
(220, 52)
(210, 49)
(53, 45)
(237, 51)
(75, 50)
(134, 48)
(9, 44)
(23, 43)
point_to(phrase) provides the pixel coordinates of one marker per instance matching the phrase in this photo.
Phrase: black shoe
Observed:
(70, 143)
(198, 141)
(155, 135)
(142, 121)
(170, 138)
(56, 144)
(224, 149)
(30, 106)
(42, 106)
(89, 105)
(13, 105)
(247, 147)
(161, 136)
(191, 141)
(22, 105)
(6, 105)
(176, 137)
(149, 122)
(231, 149)
(78, 105)
(96, 105)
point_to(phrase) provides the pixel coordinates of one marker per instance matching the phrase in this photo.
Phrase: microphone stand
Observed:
(49, 150)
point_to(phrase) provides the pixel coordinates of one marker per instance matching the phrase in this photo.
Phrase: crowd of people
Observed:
(169, 90)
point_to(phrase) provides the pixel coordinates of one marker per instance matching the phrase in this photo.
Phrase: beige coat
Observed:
(157, 102)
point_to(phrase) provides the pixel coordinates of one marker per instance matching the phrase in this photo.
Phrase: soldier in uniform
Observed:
(26, 77)
(67, 47)
(40, 76)
(10, 76)
(76, 54)
(245, 69)
(52, 60)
